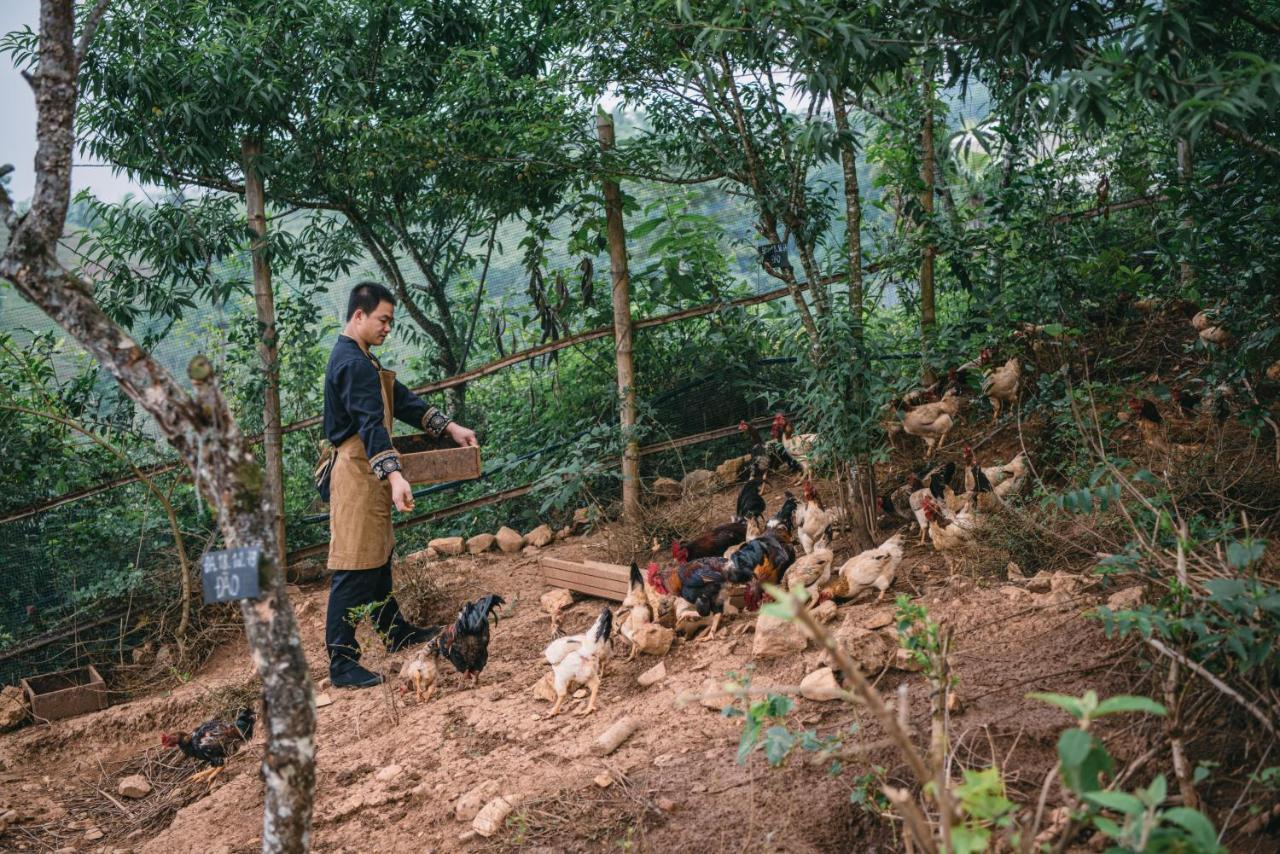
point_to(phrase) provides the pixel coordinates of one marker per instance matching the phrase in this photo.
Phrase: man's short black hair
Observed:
(366, 296)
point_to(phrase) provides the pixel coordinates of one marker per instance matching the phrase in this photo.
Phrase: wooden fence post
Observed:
(272, 436)
(621, 329)
(928, 311)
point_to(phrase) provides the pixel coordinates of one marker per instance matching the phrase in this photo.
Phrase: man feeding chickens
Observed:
(364, 481)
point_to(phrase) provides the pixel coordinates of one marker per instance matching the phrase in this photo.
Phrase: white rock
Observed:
(1014, 571)
(545, 688)
(826, 611)
(555, 601)
(613, 737)
(134, 786)
(821, 686)
(775, 638)
(509, 541)
(387, 774)
(1127, 599)
(869, 650)
(653, 675)
(481, 543)
(878, 620)
(468, 806)
(653, 639)
(492, 817)
(448, 545)
(13, 708)
(1066, 583)
(1014, 593)
(1041, 582)
(699, 482)
(322, 700)
(714, 695)
(665, 487)
(540, 536)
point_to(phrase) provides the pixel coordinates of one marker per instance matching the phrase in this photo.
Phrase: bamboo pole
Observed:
(273, 438)
(928, 310)
(621, 329)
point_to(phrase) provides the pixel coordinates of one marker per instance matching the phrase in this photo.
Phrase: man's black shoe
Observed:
(414, 636)
(355, 676)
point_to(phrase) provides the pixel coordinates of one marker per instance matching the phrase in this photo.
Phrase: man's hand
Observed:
(401, 492)
(464, 437)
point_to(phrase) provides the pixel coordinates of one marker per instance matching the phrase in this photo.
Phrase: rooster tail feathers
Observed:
(637, 580)
(475, 614)
(244, 722)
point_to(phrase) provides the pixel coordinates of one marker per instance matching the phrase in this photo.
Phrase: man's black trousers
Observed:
(355, 588)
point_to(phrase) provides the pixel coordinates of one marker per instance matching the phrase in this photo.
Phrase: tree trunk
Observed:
(860, 496)
(928, 311)
(622, 331)
(1186, 169)
(199, 427)
(264, 300)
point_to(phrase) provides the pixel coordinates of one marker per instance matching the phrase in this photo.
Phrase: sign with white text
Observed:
(231, 574)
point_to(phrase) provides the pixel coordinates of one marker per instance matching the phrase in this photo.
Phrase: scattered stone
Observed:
(821, 686)
(775, 638)
(467, 835)
(13, 708)
(826, 611)
(666, 804)
(468, 806)
(555, 601)
(730, 471)
(612, 738)
(903, 661)
(955, 705)
(509, 541)
(7, 817)
(653, 639)
(878, 620)
(1041, 582)
(387, 774)
(540, 536)
(1014, 572)
(492, 817)
(604, 780)
(869, 650)
(564, 533)
(545, 688)
(481, 543)
(699, 482)
(1066, 583)
(530, 551)
(93, 834)
(323, 699)
(1014, 593)
(448, 545)
(653, 675)
(1127, 599)
(713, 694)
(431, 554)
(665, 487)
(580, 694)
(134, 786)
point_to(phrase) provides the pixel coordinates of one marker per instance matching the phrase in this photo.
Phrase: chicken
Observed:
(810, 571)
(813, 521)
(213, 742)
(1001, 385)
(949, 530)
(896, 505)
(639, 614)
(420, 673)
(750, 505)
(709, 543)
(1150, 423)
(933, 421)
(798, 447)
(766, 455)
(466, 642)
(1209, 329)
(577, 660)
(698, 582)
(939, 489)
(871, 568)
(984, 485)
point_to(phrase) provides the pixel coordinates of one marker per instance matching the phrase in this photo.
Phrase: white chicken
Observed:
(984, 484)
(638, 611)
(949, 530)
(813, 521)
(810, 571)
(933, 421)
(872, 568)
(420, 673)
(799, 446)
(939, 489)
(577, 660)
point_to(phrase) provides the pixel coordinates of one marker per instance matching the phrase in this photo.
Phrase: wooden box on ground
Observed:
(425, 460)
(605, 580)
(65, 694)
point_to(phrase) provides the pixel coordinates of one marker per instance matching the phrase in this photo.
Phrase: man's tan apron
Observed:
(360, 533)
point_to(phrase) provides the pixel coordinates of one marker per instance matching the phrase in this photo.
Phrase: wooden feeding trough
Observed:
(65, 694)
(425, 460)
(604, 580)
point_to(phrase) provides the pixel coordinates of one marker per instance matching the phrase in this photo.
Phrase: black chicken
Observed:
(212, 742)
(750, 503)
(466, 642)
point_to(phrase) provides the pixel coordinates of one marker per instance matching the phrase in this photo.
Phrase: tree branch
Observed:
(90, 30)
